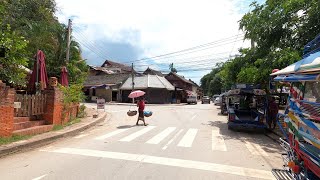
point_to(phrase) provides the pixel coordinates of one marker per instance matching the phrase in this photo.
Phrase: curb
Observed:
(22, 147)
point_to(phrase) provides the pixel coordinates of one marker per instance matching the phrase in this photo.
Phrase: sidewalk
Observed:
(49, 137)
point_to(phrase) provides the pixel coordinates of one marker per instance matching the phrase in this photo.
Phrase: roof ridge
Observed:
(161, 80)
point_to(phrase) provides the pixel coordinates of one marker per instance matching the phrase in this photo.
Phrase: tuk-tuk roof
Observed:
(258, 92)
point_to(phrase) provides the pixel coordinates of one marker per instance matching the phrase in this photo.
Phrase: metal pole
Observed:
(37, 79)
(132, 77)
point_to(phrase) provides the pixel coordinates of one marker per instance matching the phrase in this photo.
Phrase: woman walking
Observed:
(141, 106)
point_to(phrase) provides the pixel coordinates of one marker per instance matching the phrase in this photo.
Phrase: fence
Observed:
(30, 105)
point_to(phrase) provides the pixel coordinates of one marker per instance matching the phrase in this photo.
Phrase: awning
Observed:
(298, 78)
(103, 86)
(258, 92)
(309, 64)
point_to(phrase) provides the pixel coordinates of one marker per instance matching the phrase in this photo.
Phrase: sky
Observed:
(196, 34)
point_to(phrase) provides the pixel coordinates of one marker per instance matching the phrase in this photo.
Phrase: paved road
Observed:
(180, 142)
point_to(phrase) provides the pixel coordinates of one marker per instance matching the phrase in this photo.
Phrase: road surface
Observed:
(180, 142)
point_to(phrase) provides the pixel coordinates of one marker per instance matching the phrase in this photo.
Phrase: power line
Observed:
(192, 49)
(89, 48)
(192, 58)
(94, 44)
(196, 63)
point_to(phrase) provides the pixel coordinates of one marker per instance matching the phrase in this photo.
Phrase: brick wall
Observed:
(6, 110)
(56, 113)
(53, 114)
(70, 113)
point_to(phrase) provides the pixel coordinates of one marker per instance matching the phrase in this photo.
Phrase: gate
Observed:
(30, 105)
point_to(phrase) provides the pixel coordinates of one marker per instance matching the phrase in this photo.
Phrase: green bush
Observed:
(72, 94)
(82, 113)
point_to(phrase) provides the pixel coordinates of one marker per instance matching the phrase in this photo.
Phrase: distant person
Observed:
(141, 106)
(273, 111)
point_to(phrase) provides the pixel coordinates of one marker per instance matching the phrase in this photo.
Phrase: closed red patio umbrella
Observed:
(64, 77)
(39, 73)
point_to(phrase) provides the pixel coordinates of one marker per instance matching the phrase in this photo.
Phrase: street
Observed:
(180, 142)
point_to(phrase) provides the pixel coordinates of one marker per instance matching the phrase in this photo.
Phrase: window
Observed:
(312, 92)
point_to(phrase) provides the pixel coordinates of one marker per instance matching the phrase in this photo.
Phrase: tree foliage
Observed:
(35, 22)
(14, 57)
(279, 30)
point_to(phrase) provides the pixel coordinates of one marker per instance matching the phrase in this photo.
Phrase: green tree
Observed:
(279, 30)
(11, 70)
(35, 21)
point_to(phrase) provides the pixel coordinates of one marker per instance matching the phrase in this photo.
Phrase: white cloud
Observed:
(157, 27)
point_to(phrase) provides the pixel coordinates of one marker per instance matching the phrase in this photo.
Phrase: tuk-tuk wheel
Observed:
(230, 128)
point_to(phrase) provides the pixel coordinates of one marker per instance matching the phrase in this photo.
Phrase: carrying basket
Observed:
(131, 113)
(147, 113)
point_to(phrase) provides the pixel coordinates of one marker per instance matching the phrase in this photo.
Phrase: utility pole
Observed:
(132, 77)
(68, 41)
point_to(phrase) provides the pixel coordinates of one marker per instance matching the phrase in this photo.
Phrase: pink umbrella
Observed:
(135, 94)
(64, 77)
(39, 73)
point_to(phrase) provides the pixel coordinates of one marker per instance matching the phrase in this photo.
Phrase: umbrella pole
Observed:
(37, 79)
(132, 75)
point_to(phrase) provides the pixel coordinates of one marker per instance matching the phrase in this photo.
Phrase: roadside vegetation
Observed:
(13, 138)
(279, 30)
(29, 25)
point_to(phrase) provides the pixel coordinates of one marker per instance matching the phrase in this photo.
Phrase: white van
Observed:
(192, 99)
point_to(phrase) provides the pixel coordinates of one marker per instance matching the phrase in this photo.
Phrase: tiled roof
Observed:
(181, 78)
(152, 72)
(109, 79)
(147, 81)
(117, 65)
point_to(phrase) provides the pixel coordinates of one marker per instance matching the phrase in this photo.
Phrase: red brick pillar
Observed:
(53, 114)
(6, 110)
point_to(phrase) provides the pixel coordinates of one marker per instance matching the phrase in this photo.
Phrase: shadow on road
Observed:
(125, 126)
(246, 136)
(219, 114)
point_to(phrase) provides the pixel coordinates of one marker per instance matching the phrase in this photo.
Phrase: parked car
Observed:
(205, 99)
(192, 100)
(217, 101)
(215, 96)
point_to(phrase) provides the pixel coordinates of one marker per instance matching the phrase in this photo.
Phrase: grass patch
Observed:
(74, 121)
(59, 127)
(13, 138)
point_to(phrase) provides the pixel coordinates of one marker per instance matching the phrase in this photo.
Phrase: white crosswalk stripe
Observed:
(188, 138)
(159, 137)
(218, 143)
(255, 149)
(174, 137)
(137, 134)
(113, 133)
